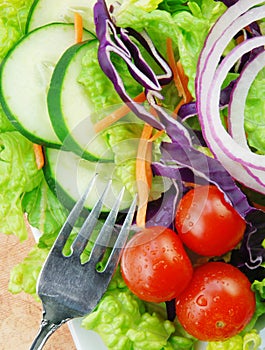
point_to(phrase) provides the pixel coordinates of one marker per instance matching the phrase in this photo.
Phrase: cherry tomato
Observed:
(155, 265)
(207, 223)
(217, 304)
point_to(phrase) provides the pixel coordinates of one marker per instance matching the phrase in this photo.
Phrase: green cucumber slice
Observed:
(70, 110)
(43, 12)
(68, 175)
(25, 76)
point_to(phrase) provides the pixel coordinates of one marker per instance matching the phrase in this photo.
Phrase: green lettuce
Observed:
(18, 175)
(99, 89)
(146, 5)
(24, 275)
(173, 6)
(125, 322)
(192, 28)
(249, 341)
(45, 212)
(12, 22)
(254, 113)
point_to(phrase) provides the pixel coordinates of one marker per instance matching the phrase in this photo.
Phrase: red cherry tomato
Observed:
(217, 304)
(207, 223)
(155, 265)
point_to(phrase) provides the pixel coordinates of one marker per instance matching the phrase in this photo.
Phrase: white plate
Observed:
(86, 340)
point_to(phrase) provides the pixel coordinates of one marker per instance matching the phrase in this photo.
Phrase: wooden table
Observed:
(20, 314)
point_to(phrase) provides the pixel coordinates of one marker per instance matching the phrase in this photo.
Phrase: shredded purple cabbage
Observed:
(204, 168)
(180, 161)
(189, 109)
(160, 212)
(116, 40)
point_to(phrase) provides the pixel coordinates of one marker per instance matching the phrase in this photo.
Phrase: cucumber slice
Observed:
(70, 110)
(25, 76)
(68, 176)
(44, 12)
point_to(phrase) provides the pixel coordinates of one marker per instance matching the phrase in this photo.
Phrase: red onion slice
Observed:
(239, 96)
(226, 142)
(244, 165)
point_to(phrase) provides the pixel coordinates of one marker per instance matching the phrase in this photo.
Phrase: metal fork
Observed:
(68, 288)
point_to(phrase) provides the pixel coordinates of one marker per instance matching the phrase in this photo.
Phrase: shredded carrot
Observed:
(117, 115)
(156, 135)
(180, 79)
(78, 23)
(38, 151)
(181, 102)
(173, 65)
(143, 173)
(184, 82)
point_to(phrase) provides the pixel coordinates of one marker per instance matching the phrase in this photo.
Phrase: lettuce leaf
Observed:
(99, 89)
(146, 5)
(12, 22)
(254, 114)
(45, 212)
(249, 341)
(24, 276)
(125, 322)
(173, 6)
(192, 29)
(18, 175)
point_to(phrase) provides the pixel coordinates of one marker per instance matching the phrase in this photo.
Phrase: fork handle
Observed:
(47, 328)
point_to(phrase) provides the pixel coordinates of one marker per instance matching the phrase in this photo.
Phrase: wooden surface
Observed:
(20, 314)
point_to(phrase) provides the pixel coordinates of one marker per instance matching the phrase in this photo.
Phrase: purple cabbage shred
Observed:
(181, 161)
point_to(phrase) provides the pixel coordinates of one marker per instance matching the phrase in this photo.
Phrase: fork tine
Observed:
(105, 233)
(121, 240)
(72, 217)
(88, 226)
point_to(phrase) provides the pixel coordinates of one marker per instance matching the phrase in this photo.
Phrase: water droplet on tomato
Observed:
(191, 223)
(190, 316)
(231, 312)
(201, 301)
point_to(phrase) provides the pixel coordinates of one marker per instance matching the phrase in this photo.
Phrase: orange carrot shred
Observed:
(181, 102)
(180, 79)
(184, 82)
(173, 65)
(156, 135)
(78, 23)
(143, 173)
(38, 151)
(117, 115)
